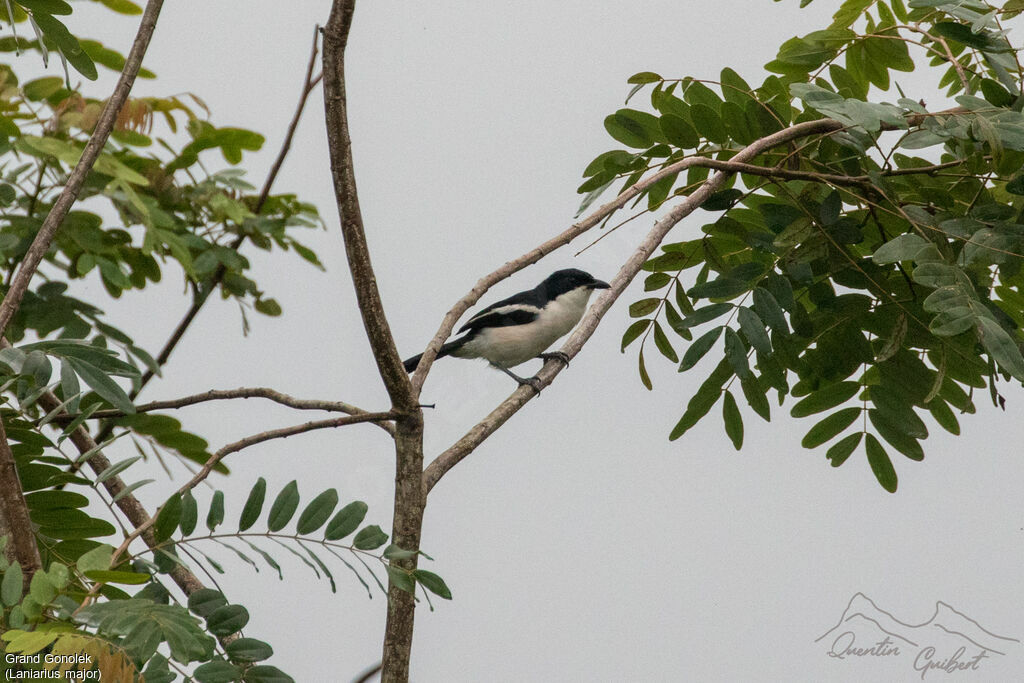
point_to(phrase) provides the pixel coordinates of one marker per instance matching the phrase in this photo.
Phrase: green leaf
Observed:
(829, 427)
(841, 450)
(67, 43)
(880, 464)
(733, 420)
(1001, 346)
(46, 6)
(226, 620)
(734, 88)
(896, 436)
(41, 588)
(253, 505)
(633, 128)
(189, 514)
(962, 33)
(400, 579)
(644, 77)
(97, 559)
(284, 506)
(167, 519)
(638, 309)
(217, 671)
(645, 378)
(736, 353)
(708, 123)
(122, 6)
(754, 331)
(825, 398)
(317, 512)
(433, 583)
(702, 401)
(769, 311)
(99, 382)
(663, 344)
(707, 313)
(10, 587)
(41, 88)
(830, 208)
(370, 538)
(679, 132)
(205, 601)
(264, 673)
(216, 514)
(346, 520)
(248, 650)
(634, 331)
(125, 578)
(756, 396)
(901, 248)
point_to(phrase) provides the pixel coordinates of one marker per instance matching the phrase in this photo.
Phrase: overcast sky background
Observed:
(579, 543)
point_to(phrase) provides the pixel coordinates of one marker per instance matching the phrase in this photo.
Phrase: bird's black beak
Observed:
(599, 284)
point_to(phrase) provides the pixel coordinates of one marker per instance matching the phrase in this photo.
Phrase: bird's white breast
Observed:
(515, 344)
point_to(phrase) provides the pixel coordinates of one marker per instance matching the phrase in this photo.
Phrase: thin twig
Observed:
(245, 392)
(309, 83)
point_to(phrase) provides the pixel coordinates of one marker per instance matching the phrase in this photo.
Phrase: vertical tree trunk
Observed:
(409, 490)
(410, 500)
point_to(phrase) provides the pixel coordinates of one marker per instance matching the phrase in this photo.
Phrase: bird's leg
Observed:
(556, 355)
(531, 381)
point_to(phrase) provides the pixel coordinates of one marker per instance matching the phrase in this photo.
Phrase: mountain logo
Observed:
(950, 641)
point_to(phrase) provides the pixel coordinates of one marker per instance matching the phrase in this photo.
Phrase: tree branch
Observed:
(203, 294)
(248, 441)
(14, 518)
(245, 392)
(98, 139)
(510, 406)
(115, 486)
(831, 178)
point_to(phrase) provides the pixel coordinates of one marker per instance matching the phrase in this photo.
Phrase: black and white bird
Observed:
(523, 326)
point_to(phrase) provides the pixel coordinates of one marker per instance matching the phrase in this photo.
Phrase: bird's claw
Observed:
(533, 382)
(556, 355)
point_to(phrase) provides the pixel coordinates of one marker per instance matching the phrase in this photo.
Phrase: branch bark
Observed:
(128, 504)
(14, 517)
(244, 393)
(41, 244)
(409, 494)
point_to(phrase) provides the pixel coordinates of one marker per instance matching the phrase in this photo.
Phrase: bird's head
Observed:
(563, 281)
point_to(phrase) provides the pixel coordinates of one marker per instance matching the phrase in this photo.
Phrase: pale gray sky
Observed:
(578, 542)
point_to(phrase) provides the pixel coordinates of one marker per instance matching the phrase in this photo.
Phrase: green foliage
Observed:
(872, 274)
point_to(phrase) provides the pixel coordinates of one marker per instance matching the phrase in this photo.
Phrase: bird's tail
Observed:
(446, 350)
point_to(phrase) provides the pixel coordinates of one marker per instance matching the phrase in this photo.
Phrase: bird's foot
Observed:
(556, 355)
(532, 382)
